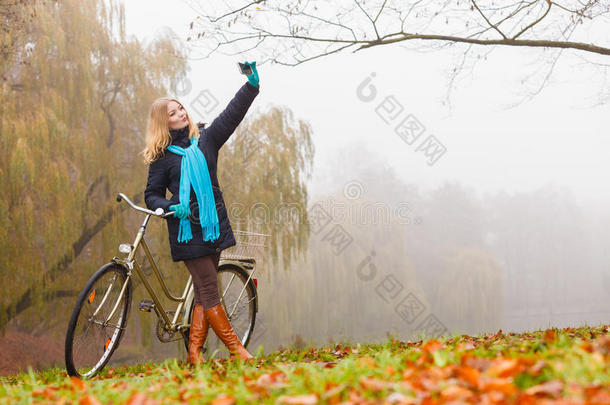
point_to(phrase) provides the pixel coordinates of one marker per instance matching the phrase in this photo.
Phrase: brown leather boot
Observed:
(218, 320)
(197, 335)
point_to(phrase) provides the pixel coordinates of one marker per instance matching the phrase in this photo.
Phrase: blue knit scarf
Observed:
(194, 171)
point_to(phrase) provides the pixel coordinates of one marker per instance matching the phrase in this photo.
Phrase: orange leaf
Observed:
(402, 399)
(470, 375)
(89, 400)
(552, 388)
(492, 397)
(454, 392)
(120, 386)
(308, 399)
(37, 393)
(366, 362)
(600, 397)
(503, 367)
(537, 368)
(223, 399)
(78, 384)
(502, 385)
(587, 347)
(48, 393)
(276, 379)
(373, 384)
(390, 370)
(464, 346)
(602, 344)
(137, 398)
(431, 346)
(549, 336)
(525, 399)
(333, 391)
(184, 395)
(407, 373)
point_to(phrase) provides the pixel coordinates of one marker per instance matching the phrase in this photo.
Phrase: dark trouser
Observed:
(205, 284)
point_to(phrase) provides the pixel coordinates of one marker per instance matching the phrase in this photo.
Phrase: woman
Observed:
(183, 158)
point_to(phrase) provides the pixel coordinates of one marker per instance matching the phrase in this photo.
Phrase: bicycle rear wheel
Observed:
(241, 311)
(98, 321)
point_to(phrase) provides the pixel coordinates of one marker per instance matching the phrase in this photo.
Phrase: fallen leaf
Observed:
(78, 384)
(139, 398)
(37, 393)
(432, 346)
(332, 389)
(600, 397)
(373, 384)
(454, 392)
(549, 336)
(277, 379)
(602, 344)
(552, 388)
(89, 400)
(407, 373)
(367, 362)
(465, 346)
(120, 386)
(537, 368)
(308, 399)
(223, 399)
(502, 385)
(401, 399)
(503, 367)
(480, 363)
(470, 375)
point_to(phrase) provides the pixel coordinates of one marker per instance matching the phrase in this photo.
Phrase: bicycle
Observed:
(99, 318)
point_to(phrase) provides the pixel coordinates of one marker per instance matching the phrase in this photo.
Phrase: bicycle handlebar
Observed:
(157, 213)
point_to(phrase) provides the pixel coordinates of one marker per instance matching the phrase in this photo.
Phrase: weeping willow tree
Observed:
(470, 291)
(73, 104)
(263, 173)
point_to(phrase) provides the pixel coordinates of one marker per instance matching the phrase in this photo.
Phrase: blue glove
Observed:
(182, 211)
(253, 77)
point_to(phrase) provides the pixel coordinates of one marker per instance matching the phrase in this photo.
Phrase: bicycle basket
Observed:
(250, 245)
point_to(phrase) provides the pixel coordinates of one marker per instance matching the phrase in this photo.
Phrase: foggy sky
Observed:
(557, 138)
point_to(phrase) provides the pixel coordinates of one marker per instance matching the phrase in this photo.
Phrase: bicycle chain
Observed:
(163, 334)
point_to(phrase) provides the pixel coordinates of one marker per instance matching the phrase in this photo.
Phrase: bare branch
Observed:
(535, 22)
(511, 42)
(494, 26)
(292, 33)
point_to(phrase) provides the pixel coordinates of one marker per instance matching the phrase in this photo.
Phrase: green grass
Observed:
(568, 363)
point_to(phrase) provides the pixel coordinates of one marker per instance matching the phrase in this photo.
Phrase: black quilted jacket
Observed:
(164, 173)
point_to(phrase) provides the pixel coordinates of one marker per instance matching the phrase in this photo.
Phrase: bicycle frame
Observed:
(131, 264)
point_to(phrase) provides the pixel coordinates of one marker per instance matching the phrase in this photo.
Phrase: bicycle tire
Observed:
(85, 307)
(244, 333)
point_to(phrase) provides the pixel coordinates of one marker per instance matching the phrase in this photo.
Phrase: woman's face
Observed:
(177, 116)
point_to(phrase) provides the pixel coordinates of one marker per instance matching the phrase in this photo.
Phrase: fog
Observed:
(506, 229)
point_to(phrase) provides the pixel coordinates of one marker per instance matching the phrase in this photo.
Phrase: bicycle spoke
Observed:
(98, 326)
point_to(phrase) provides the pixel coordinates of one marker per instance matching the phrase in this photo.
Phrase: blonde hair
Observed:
(158, 137)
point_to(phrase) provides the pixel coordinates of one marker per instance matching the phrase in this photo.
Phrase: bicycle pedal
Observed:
(146, 305)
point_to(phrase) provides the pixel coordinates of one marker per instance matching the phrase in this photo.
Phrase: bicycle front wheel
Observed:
(239, 301)
(98, 321)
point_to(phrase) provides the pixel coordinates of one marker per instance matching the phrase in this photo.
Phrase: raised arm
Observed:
(158, 180)
(224, 125)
